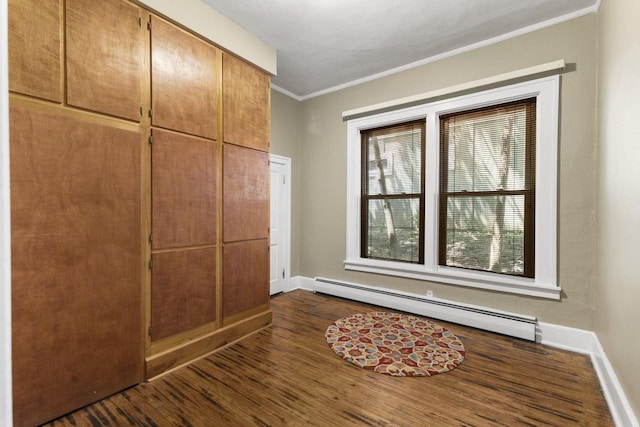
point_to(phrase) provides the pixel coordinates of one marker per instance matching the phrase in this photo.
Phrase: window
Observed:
(460, 190)
(487, 189)
(392, 200)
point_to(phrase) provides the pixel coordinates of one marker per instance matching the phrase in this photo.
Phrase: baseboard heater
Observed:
(502, 322)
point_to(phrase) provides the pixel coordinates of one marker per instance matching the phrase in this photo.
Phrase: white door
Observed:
(280, 224)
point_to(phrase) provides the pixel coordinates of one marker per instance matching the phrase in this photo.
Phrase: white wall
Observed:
(6, 404)
(323, 157)
(618, 192)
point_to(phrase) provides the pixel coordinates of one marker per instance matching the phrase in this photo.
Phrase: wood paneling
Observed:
(183, 291)
(104, 56)
(245, 276)
(183, 190)
(184, 76)
(35, 48)
(246, 194)
(286, 375)
(246, 104)
(76, 261)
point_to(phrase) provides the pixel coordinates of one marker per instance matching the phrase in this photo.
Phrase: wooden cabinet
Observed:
(105, 56)
(76, 260)
(184, 71)
(246, 99)
(194, 186)
(139, 241)
(246, 194)
(35, 49)
(246, 112)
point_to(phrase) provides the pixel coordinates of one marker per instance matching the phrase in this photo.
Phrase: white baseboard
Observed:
(566, 338)
(301, 282)
(587, 342)
(502, 322)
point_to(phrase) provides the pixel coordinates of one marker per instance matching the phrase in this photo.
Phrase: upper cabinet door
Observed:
(246, 104)
(34, 48)
(184, 89)
(104, 57)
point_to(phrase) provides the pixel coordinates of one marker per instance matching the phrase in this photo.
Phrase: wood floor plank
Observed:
(286, 375)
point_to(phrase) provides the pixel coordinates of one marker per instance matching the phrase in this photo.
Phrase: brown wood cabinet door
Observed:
(104, 56)
(184, 74)
(245, 194)
(183, 291)
(35, 48)
(183, 185)
(76, 261)
(246, 104)
(245, 283)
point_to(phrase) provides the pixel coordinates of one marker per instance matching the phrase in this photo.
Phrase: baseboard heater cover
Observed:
(502, 322)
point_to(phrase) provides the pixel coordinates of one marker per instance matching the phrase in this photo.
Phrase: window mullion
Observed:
(431, 192)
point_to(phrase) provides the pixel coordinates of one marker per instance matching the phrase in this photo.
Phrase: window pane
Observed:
(475, 239)
(393, 230)
(394, 158)
(487, 151)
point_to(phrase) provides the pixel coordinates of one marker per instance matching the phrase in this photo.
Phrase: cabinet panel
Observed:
(183, 190)
(76, 262)
(183, 291)
(245, 273)
(246, 194)
(34, 48)
(184, 90)
(246, 104)
(104, 56)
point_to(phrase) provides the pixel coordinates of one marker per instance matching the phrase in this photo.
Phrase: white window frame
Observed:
(544, 285)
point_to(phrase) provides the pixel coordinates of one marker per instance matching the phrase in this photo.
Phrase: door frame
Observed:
(286, 162)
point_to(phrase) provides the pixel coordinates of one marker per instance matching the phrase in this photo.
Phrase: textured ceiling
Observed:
(323, 44)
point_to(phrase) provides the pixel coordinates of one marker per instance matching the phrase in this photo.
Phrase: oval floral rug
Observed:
(395, 344)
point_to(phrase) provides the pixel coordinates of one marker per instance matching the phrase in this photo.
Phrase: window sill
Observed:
(455, 276)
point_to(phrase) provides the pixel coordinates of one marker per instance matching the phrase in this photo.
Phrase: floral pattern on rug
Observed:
(395, 344)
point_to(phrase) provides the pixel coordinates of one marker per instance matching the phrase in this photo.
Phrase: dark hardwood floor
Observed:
(286, 375)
